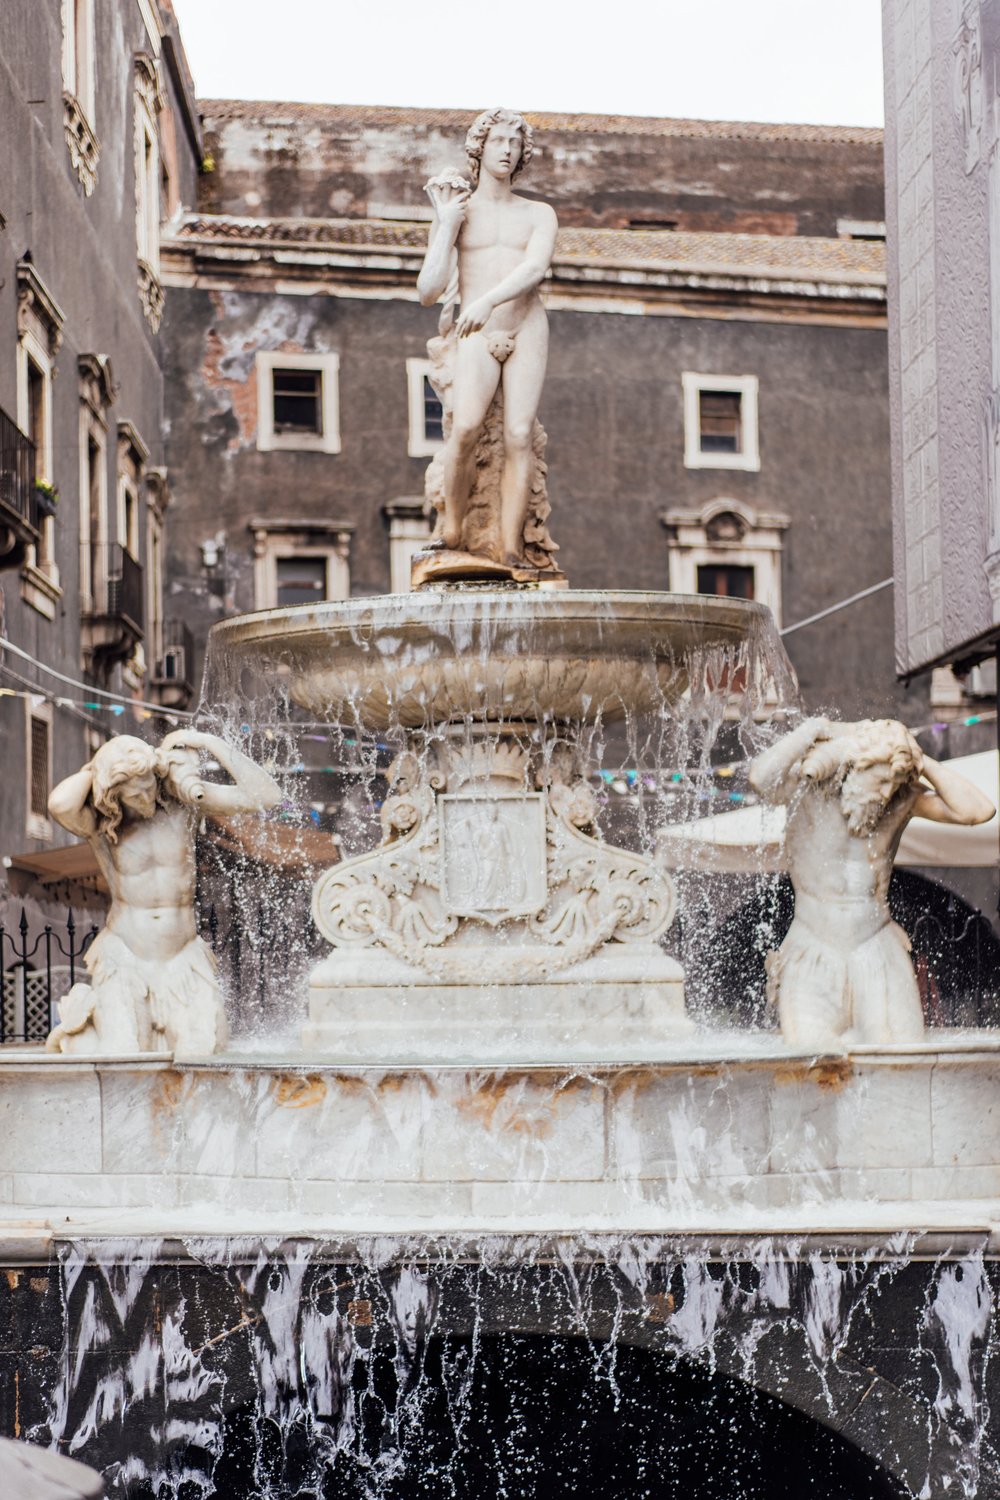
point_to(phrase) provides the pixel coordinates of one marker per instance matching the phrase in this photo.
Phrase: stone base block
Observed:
(620, 1005)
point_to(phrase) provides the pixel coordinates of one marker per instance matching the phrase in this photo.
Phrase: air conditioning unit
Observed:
(172, 666)
(982, 680)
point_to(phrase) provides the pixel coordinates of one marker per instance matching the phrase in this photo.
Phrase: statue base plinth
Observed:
(435, 565)
(621, 1005)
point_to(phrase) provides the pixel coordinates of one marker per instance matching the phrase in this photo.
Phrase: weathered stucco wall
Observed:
(322, 161)
(942, 376)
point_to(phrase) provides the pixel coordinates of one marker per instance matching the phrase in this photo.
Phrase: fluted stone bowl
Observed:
(413, 660)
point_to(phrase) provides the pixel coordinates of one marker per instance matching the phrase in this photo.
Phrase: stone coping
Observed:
(729, 1048)
(884, 1231)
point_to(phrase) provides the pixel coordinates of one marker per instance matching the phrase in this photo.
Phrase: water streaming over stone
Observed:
(513, 1366)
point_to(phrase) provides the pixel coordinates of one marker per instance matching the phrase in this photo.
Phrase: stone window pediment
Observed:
(726, 546)
(297, 561)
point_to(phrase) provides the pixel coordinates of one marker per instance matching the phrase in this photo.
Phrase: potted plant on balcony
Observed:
(46, 497)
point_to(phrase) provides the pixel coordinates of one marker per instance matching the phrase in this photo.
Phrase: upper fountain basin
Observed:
(413, 660)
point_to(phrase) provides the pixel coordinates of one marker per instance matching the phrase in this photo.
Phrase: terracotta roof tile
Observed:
(795, 257)
(218, 111)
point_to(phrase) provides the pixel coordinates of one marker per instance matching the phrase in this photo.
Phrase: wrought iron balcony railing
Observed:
(115, 622)
(126, 597)
(19, 518)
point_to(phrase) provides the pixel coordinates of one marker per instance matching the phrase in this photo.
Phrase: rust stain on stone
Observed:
(489, 1104)
(833, 1074)
(13, 1278)
(169, 1092)
(659, 1307)
(292, 1091)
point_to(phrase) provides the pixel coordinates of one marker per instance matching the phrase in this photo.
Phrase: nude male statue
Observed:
(153, 982)
(843, 973)
(501, 246)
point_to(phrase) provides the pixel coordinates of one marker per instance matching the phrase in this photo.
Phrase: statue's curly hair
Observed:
(117, 762)
(475, 140)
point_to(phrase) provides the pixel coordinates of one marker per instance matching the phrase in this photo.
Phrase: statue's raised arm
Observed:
(152, 985)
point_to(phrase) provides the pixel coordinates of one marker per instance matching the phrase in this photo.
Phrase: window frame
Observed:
(747, 387)
(411, 526)
(759, 547)
(79, 71)
(327, 365)
(419, 445)
(37, 825)
(281, 539)
(132, 458)
(147, 104)
(39, 336)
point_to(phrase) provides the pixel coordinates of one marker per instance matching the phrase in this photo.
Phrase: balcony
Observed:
(115, 625)
(172, 682)
(19, 518)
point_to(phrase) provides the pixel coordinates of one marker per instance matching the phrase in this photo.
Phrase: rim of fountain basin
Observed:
(486, 653)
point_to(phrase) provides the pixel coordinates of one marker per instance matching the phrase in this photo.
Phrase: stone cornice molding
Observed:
(338, 534)
(35, 301)
(157, 490)
(823, 281)
(129, 439)
(97, 383)
(704, 515)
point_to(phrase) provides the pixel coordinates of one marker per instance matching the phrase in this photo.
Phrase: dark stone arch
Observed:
(540, 1418)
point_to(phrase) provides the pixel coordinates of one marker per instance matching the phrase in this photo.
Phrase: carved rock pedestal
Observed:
(492, 922)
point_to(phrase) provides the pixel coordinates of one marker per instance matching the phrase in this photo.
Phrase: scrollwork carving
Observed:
(393, 898)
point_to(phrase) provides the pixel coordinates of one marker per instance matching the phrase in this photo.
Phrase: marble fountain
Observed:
(495, 1171)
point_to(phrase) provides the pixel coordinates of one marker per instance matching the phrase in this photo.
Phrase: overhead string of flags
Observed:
(86, 697)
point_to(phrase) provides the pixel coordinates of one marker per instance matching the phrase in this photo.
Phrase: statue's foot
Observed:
(451, 537)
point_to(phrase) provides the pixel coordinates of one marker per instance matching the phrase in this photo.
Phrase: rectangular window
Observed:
(426, 425)
(39, 789)
(300, 580)
(36, 411)
(36, 344)
(298, 401)
(433, 414)
(38, 768)
(726, 579)
(720, 421)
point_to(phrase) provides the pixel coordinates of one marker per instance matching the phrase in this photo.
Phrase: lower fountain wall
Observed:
(326, 1268)
(731, 1143)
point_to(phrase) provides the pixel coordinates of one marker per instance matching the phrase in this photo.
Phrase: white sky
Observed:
(816, 61)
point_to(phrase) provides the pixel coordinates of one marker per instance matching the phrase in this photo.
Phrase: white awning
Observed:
(751, 838)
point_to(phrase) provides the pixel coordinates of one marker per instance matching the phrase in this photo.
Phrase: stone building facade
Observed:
(100, 142)
(943, 211)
